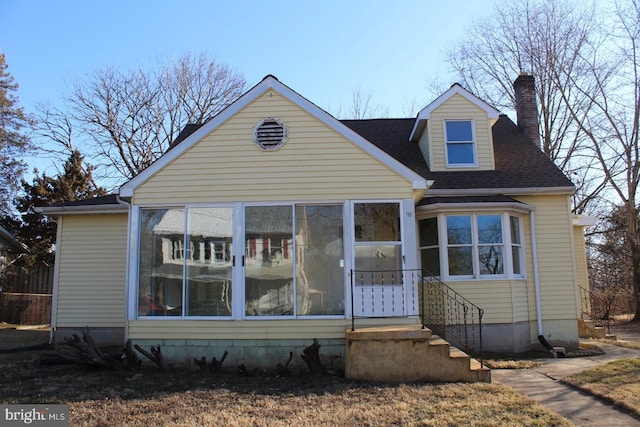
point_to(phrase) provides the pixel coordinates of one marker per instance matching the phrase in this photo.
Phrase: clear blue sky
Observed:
(391, 50)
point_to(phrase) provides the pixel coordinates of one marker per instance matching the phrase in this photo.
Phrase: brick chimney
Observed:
(527, 107)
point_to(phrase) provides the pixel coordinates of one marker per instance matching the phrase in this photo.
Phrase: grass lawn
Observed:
(617, 382)
(189, 397)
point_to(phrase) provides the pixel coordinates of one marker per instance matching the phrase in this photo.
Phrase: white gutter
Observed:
(536, 278)
(126, 269)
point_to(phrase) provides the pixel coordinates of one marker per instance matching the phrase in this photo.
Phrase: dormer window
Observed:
(461, 143)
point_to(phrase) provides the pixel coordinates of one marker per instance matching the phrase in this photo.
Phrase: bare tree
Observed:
(612, 120)
(363, 108)
(537, 37)
(124, 120)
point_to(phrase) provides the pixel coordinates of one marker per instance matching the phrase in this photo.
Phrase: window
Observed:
(472, 246)
(516, 245)
(460, 141)
(378, 244)
(290, 261)
(429, 250)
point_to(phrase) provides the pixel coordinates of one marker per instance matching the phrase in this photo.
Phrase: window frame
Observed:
(507, 244)
(473, 143)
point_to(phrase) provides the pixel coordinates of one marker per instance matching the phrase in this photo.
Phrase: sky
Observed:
(326, 50)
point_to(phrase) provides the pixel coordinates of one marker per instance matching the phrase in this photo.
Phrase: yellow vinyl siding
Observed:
(423, 143)
(556, 257)
(503, 301)
(458, 108)
(91, 271)
(306, 329)
(315, 163)
(582, 278)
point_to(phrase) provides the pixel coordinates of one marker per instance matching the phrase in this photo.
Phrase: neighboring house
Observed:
(9, 245)
(244, 236)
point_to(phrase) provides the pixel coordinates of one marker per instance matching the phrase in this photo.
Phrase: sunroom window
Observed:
(283, 260)
(460, 142)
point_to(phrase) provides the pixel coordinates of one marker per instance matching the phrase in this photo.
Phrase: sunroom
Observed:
(271, 261)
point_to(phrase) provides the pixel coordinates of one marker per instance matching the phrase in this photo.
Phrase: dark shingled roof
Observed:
(498, 198)
(519, 163)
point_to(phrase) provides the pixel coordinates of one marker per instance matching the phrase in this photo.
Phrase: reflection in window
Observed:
(490, 244)
(269, 265)
(460, 142)
(378, 242)
(475, 245)
(160, 263)
(319, 260)
(516, 245)
(429, 250)
(209, 264)
(459, 246)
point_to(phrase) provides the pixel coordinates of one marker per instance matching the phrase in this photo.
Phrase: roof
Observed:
(519, 164)
(12, 241)
(270, 83)
(102, 204)
(455, 89)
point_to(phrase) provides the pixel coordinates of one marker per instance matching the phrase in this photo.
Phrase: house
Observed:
(275, 223)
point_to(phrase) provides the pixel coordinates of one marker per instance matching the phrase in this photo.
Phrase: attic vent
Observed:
(270, 134)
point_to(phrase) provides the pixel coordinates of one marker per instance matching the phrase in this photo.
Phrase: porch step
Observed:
(588, 329)
(408, 354)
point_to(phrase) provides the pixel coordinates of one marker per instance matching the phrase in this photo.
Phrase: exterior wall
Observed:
(558, 275)
(298, 329)
(91, 271)
(457, 107)
(315, 163)
(425, 149)
(261, 353)
(581, 257)
(255, 343)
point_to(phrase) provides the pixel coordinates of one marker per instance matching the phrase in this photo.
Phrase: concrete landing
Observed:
(408, 354)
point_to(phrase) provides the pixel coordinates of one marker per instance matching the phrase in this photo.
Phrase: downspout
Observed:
(126, 271)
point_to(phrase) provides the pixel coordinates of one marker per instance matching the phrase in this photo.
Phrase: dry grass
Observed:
(617, 382)
(186, 398)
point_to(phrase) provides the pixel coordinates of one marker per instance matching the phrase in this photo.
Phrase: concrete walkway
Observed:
(542, 384)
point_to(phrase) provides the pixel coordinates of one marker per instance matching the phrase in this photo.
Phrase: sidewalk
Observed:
(542, 384)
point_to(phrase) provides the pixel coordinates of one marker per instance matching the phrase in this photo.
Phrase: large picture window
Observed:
(289, 262)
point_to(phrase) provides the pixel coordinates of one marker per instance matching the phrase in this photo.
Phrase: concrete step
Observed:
(404, 355)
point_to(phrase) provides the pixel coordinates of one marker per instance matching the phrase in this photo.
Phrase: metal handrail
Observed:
(451, 315)
(441, 308)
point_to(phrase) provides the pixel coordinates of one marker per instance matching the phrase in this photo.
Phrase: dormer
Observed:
(454, 132)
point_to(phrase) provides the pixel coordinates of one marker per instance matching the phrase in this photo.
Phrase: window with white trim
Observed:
(459, 136)
(472, 246)
(378, 241)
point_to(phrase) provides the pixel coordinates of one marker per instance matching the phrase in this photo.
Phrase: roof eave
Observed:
(74, 210)
(503, 191)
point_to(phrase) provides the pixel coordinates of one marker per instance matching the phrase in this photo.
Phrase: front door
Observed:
(377, 279)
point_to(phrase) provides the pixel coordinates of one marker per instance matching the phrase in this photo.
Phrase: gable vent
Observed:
(270, 134)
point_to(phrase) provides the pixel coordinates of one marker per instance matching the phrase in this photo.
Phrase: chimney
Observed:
(527, 107)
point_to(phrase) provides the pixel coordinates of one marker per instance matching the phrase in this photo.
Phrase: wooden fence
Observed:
(25, 295)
